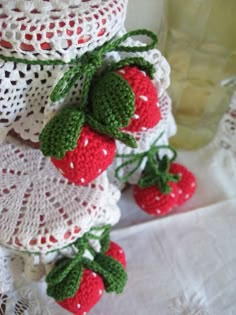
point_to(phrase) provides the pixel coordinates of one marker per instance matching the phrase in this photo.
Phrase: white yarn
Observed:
(40, 210)
(70, 28)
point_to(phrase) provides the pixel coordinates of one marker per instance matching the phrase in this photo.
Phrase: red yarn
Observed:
(116, 252)
(93, 154)
(89, 293)
(153, 201)
(187, 184)
(147, 113)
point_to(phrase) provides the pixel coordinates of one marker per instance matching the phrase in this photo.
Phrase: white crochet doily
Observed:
(145, 139)
(53, 29)
(25, 90)
(41, 211)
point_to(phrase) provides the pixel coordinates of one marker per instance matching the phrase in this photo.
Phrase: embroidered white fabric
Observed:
(25, 90)
(40, 210)
(53, 29)
(166, 127)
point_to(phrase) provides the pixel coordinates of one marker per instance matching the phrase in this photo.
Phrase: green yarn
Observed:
(65, 278)
(112, 101)
(68, 286)
(61, 133)
(156, 171)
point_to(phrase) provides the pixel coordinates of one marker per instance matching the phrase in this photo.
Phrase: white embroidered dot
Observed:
(61, 171)
(72, 165)
(94, 274)
(144, 98)
(158, 104)
(143, 72)
(100, 292)
(143, 206)
(86, 141)
(78, 306)
(158, 211)
(172, 195)
(121, 251)
(193, 184)
(186, 196)
(180, 191)
(84, 313)
(157, 198)
(82, 180)
(122, 71)
(143, 128)
(99, 171)
(136, 116)
(104, 151)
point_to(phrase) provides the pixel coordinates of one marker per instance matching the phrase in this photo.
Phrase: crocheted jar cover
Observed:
(25, 105)
(144, 139)
(40, 211)
(53, 29)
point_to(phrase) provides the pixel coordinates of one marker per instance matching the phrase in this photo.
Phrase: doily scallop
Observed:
(145, 139)
(40, 211)
(53, 29)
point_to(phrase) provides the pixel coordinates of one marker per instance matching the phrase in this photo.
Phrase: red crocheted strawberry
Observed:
(125, 99)
(147, 113)
(89, 293)
(91, 286)
(93, 154)
(187, 183)
(155, 202)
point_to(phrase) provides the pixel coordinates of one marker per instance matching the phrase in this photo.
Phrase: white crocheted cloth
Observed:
(145, 139)
(53, 29)
(41, 211)
(25, 90)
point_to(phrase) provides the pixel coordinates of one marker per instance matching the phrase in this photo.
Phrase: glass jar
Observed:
(201, 48)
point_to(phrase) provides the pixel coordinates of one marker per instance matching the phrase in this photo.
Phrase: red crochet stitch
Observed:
(89, 293)
(116, 252)
(147, 113)
(187, 183)
(91, 287)
(93, 154)
(153, 201)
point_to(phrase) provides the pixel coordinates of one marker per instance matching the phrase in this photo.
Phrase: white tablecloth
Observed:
(184, 264)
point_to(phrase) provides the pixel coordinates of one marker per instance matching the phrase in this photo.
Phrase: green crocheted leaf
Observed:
(113, 101)
(112, 132)
(60, 271)
(113, 273)
(61, 133)
(68, 287)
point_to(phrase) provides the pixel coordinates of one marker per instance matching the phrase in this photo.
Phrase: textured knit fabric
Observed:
(153, 201)
(116, 252)
(93, 154)
(187, 183)
(89, 293)
(147, 113)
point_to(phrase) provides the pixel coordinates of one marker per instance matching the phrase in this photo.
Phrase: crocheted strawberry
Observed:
(125, 99)
(89, 293)
(91, 286)
(147, 113)
(93, 154)
(187, 183)
(153, 201)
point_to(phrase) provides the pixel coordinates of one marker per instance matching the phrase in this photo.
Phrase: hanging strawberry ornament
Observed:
(81, 139)
(78, 283)
(163, 185)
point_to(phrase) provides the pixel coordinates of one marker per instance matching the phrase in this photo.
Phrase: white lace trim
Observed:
(54, 29)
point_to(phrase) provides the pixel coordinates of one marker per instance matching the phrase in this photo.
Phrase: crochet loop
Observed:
(156, 171)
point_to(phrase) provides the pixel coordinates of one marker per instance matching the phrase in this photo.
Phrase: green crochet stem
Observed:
(65, 278)
(156, 171)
